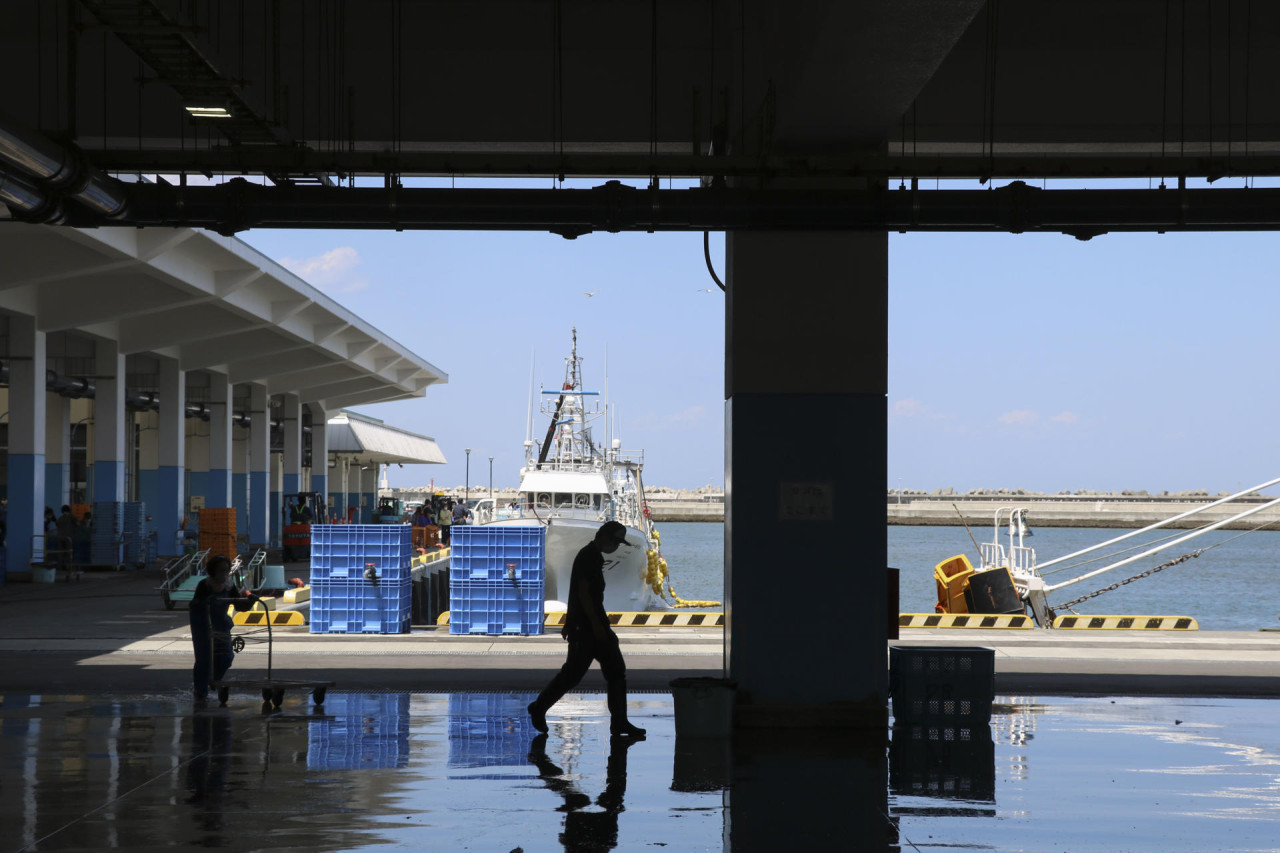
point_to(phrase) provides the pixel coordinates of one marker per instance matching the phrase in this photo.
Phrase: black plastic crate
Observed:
(950, 684)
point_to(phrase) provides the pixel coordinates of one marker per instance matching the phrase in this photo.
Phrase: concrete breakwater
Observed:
(661, 510)
(1076, 513)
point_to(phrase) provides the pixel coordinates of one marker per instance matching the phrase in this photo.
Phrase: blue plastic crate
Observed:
(358, 606)
(496, 607)
(489, 730)
(344, 550)
(497, 552)
(360, 731)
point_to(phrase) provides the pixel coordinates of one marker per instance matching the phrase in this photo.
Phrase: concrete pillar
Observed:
(221, 410)
(26, 440)
(109, 424)
(149, 472)
(368, 499)
(291, 425)
(259, 465)
(320, 452)
(167, 513)
(57, 450)
(805, 422)
(197, 471)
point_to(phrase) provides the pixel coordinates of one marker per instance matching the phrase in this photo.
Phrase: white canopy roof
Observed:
(371, 440)
(565, 482)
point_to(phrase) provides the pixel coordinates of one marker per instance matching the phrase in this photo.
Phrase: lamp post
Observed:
(467, 489)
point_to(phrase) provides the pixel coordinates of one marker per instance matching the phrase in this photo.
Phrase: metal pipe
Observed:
(238, 205)
(63, 169)
(1166, 546)
(1159, 524)
(28, 201)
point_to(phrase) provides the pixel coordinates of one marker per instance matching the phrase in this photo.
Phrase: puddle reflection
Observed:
(431, 771)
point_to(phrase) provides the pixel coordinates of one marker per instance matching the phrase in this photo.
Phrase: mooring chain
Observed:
(1118, 584)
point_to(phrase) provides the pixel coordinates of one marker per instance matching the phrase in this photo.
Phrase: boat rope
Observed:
(1177, 560)
(658, 574)
(1114, 554)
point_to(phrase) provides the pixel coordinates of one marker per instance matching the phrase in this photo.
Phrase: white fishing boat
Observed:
(571, 483)
(1010, 580)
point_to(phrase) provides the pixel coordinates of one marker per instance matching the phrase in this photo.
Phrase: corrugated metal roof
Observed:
(373, 441)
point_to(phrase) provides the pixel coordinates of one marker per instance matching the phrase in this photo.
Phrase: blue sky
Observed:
(1022, 361)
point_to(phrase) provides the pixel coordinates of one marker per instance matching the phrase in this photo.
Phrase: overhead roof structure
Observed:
(337, 112)
(369, 440)
(212, 302)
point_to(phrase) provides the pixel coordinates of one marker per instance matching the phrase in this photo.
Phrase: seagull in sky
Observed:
(706, 290)
(590, 293)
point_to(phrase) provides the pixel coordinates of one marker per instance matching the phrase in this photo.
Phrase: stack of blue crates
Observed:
(108, 525)
(343, 600)
(360, 731)
(497, 579)
(489, 730)
(134, 528)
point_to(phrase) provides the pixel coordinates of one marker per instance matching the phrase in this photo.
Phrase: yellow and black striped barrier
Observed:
(1127, 623)
(963, 620)
(278, 617)
(661, 619)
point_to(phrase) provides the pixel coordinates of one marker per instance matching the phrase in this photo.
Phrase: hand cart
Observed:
(272, 688)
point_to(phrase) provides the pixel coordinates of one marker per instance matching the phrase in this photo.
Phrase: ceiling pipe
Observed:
(63, 170)
(238, 205)
(27, 201)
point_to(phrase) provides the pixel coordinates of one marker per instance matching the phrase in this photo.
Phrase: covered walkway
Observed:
(158, 366)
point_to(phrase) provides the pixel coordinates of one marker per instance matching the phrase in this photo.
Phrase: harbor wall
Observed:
(1103, 513)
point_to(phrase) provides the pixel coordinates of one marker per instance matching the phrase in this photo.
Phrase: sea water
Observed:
(1233, 585)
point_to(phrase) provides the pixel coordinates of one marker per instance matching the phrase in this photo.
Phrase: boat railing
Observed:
(992, 555)
(1024, 560)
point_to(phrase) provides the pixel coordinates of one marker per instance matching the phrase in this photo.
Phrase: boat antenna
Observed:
(528, 424)
(967, 530)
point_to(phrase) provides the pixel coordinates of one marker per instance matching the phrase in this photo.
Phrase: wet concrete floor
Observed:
(466, 771)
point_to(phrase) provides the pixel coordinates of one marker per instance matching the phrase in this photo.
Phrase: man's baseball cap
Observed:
(615, 531)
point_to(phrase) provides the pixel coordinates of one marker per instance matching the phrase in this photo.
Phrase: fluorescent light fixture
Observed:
(207, 111)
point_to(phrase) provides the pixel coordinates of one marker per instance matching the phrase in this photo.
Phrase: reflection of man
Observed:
(206, 775)
(586, 830)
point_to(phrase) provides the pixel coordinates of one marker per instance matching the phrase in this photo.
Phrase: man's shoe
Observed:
(538, 717)
(626, 730)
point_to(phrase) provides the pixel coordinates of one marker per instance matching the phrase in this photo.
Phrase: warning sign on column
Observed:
(807, 502)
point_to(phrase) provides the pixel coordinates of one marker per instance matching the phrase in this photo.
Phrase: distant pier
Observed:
(1052, 511)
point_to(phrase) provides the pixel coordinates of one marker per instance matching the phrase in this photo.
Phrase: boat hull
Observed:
(625, 570)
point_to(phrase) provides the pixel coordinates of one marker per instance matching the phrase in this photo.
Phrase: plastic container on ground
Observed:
(358, 606)
(345, 550)
(497, 552)
(704, 706)
(951, 684)
(496, 607)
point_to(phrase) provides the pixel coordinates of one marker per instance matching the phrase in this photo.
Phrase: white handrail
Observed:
(1158, 549)
(1159, 524)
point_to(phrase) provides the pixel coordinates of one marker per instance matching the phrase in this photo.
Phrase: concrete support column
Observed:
(26, 440)
(109, 424)
(259, 465)
(291, 460)
(805, 422)
(368, 492)
(57, 448)
(149, 471)
(320, 452)
(220, 465)
(171, 492)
